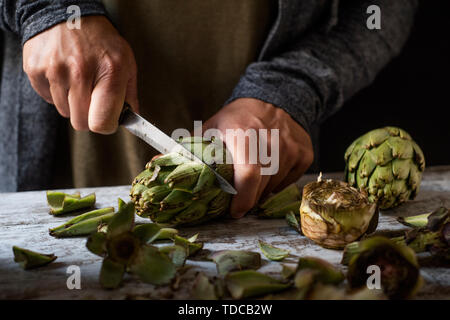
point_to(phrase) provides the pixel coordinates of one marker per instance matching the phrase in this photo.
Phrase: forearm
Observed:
(27, 18)
(313, 78)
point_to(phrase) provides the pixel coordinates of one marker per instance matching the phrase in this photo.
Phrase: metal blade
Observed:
(163, 143)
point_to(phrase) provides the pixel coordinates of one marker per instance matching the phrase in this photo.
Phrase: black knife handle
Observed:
(126, 108)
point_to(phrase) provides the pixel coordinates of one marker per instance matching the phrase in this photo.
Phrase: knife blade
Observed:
(146, 131)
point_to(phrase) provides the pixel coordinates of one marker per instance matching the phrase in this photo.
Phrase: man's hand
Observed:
(87, 73)
(295, 149)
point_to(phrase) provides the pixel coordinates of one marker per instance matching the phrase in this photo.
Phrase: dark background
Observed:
(412, 92)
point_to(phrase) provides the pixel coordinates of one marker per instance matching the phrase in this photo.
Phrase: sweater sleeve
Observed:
(27, 18)
(314, 75)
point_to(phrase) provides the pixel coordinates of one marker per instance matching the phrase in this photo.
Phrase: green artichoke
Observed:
(334, 214)
(400, 275)
(174, 190)
(388, 164)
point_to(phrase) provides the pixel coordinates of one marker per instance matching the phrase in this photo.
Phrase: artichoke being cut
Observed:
(334, 214)
(174, 190)
(388, 164)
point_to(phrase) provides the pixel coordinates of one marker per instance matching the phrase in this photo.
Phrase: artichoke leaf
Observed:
(273, 253)
(231, 260)
(249, 283)
(152, 266)
(63, 203)
(28, 259)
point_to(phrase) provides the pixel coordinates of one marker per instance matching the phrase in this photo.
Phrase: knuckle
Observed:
(308, 157)
(78, 69)
(55, 71)
(112, 64)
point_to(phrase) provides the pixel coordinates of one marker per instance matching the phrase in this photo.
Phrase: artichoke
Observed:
(334, 214)
(388, 164)
(400, 277)
(173, 190)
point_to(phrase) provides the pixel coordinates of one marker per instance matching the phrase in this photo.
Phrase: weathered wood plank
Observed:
(24, 221)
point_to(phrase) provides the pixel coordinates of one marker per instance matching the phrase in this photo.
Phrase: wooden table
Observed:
(24, 221)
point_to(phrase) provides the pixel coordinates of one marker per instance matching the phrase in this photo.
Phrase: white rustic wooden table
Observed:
(24, 221)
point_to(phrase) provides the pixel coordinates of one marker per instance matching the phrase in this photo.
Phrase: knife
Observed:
(143, 129)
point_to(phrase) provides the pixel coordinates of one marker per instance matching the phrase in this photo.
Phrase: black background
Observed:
(412, 92)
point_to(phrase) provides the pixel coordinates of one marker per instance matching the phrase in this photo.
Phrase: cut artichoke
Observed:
(400, 276)
(334, 214)
(176, 191)
(388, 164)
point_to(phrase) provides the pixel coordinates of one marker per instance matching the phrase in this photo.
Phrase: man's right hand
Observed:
(86, 73)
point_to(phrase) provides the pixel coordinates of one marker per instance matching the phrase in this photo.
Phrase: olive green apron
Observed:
(190, 54)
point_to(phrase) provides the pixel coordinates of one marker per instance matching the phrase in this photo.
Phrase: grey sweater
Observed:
(309, 66)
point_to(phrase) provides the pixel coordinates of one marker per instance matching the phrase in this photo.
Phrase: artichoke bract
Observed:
(173, 190)
(334, 214)
(388, 164)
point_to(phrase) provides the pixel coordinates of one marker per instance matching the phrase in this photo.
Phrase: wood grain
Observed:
(24, 221)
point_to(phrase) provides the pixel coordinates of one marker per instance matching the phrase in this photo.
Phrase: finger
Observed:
(107, 101)
(246, 181)
(42, 87)
(79, 99)
(59, 94)
(283, 172)
(132, 93)
(265, 180)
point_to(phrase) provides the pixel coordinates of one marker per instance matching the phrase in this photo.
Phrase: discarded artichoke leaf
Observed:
(96, 244)
(305, 279)
(28, 259)
(82, 217)
(167, 234)
(437, 218)
(111, 274)
(152, 266)
(189, 244)
(177, 254)
(326, 272)
(400, 276)
(334, 214)
(287, 272)
(147, 233)
(418, 239)
(83, 228)
(231, 260)
(417, 221)
(151, 232)
(294, 221)
(271, 252)
(122, 221)
(281, 203)
(249, 283)
(63, 203)
(203, 288)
